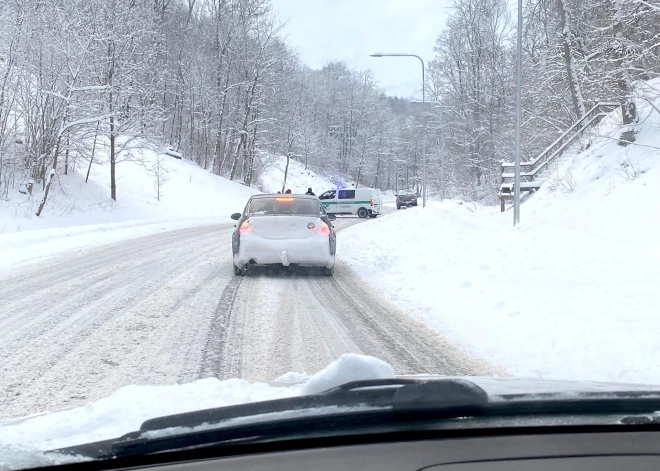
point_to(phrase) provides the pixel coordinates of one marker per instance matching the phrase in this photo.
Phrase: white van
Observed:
(364, 202)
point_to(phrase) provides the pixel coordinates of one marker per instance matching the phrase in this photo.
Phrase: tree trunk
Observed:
(113, 183)
(50, 180)
(249, 96)
(286, 171)
(624, 82)
(66, 158)
(569, 60)
(96, 133)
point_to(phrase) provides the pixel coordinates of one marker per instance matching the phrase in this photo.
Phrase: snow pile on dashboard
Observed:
(126, 409)
(349, 367)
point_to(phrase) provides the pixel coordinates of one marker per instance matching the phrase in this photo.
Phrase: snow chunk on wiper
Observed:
(349, 367)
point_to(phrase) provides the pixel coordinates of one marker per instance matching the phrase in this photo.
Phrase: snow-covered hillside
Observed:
(189, 191)
(571, 292)
(81, 214)
(298, 179)
(609, 190)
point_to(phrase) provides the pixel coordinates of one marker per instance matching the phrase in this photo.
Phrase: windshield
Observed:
(328, 195)
(206, 203)
(282, 205)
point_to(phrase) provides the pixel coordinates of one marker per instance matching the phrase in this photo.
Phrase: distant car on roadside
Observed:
(406, 198)
(286, 230)
(363, 202)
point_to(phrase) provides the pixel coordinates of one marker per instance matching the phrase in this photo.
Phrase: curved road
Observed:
(167, 308)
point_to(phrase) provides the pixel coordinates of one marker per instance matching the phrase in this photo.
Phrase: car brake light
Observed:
(245, 228)
(324, 229)
(284, 199)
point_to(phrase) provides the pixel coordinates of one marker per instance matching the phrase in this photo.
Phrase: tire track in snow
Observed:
(218, 360)
(85, 324)
(271, 324)
(167, 308)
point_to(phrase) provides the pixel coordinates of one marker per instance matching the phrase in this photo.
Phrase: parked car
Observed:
(406, 198)
(363, 202)
(283, 230)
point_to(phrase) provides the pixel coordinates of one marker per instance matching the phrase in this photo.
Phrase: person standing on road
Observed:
(310, 192)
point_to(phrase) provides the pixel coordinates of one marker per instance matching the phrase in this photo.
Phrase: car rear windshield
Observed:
(284, 205)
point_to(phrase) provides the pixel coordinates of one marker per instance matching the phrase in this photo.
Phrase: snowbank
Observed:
(570, 293)
(126, 409)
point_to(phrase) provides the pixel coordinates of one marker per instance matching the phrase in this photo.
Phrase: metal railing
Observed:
(530, 170)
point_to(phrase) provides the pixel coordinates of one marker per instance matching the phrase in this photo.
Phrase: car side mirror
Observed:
(236, 216)
(332, 217)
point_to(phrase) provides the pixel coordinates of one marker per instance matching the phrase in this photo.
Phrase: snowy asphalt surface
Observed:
(167, 308)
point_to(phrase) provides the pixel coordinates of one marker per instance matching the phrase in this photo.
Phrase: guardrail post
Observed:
(501, 182)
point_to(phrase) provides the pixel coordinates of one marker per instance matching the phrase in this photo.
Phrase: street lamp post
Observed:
(397, 54)
(516, 164)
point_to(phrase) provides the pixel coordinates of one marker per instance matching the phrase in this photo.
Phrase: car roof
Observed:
(284, 195)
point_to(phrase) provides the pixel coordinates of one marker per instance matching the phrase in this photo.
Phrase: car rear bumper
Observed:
(311, 252)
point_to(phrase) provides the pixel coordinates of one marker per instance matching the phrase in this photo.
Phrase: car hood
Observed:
(126, 409)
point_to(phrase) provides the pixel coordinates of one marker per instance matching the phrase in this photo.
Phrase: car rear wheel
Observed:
(362, 212)
(240, 271)
(328, 271)
(398, 207)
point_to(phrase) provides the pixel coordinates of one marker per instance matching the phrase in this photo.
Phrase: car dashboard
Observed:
(588, 449)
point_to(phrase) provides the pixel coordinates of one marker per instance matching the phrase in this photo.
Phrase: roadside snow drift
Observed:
(571, 292)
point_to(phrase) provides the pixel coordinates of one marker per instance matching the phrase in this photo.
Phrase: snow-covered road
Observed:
(166, 308)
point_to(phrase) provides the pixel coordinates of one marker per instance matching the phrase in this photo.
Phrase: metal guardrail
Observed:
(529, 170)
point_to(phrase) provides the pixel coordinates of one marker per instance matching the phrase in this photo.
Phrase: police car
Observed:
(362, 202)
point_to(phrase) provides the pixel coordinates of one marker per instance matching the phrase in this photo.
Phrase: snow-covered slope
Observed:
(189, 191)
(83, 214)
(571, 292)
(608, 189)
(298, 179)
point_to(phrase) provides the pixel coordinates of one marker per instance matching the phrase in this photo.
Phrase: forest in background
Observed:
(216, 81)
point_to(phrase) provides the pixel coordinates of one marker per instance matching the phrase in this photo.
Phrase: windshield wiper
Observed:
(387, 405)
(453, 397)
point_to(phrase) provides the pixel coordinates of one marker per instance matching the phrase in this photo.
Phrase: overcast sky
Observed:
(349, 30)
